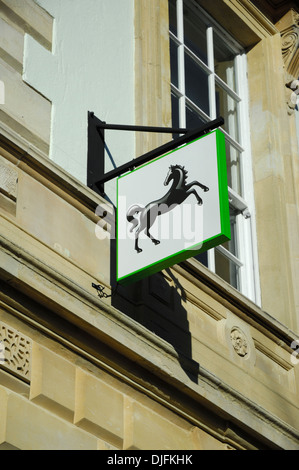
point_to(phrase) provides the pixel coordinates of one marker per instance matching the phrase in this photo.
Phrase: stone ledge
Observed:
(137, 344)
(241, 305)
(30, 17)
(32, 161)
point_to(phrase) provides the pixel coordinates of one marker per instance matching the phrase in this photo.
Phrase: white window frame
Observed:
(247, 259)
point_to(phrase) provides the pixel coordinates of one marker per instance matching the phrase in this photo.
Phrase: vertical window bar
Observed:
(212, 108)
(247, 238)
(181, 63)
(211, 79)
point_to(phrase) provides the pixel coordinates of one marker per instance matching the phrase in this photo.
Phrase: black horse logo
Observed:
(177, 194)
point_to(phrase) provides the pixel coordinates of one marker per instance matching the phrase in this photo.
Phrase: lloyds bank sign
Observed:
(172, 208)
(172, 202)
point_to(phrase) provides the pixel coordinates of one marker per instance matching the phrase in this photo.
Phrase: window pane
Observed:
(174, 63)
(175, 113)
(203, 258)
(227, 107)
(172, 17)
(195, 34)
(175, 110)
(226, 269)
(231, 245)
(196, 83)
(224, 60)
(193, 120)
(233, 168)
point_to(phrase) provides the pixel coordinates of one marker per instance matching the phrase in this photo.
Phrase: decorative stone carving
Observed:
(239, 341)
(237, 336)
(15, 351)
(292, 95)
(8, 179)
(289, 45)
(289, 30)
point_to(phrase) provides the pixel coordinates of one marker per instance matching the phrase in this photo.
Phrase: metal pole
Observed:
(123, 127)
(188, 137)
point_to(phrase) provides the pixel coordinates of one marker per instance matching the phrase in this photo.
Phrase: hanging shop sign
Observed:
(173, 208)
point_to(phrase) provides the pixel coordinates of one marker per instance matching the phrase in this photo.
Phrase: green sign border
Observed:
(223, 236)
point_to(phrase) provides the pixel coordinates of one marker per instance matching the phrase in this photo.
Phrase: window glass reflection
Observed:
(233, 157)
(193, 120)
(231, 245)
(172, 17)
(174, 63)
(195, 34)
(227, 107)
(196, 82)
(226, 269)
(175, 113)
(224, 61)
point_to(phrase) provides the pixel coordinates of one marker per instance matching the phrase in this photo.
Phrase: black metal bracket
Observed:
(96, 176)
(100, 290)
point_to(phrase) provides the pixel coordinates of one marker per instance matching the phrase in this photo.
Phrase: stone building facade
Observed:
(184, 359)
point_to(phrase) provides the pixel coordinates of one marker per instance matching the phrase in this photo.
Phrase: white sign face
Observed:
(173, 208)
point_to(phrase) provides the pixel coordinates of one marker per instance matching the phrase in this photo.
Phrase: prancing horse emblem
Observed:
(177, 194)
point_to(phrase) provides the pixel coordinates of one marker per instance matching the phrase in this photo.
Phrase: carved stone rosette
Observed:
(239, 341)
(237, 337)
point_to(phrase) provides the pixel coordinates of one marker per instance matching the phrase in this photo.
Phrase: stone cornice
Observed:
(274, 9)
(257, 19)
(242, 19)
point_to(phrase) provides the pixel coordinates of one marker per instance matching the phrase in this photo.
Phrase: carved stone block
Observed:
(8, 179)
(15, 351)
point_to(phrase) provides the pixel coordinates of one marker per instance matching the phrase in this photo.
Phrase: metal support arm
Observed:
(96, 176)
